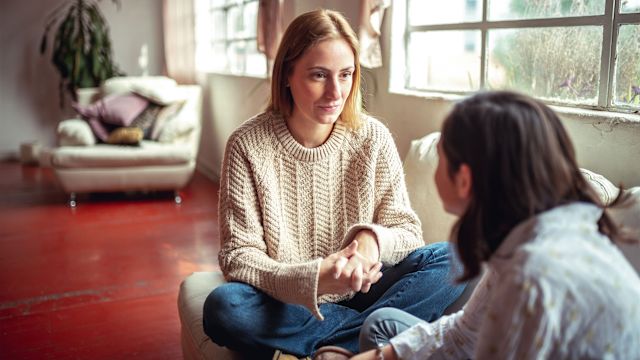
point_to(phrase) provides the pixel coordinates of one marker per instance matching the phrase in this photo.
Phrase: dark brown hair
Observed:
(522, 163)
(304, 32)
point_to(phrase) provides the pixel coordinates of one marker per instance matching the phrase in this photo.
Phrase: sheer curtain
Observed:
(179, 40)
(371, 15)
(270, 30)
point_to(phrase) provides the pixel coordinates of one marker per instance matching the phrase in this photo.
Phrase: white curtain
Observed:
(179, 40)
(371, 15)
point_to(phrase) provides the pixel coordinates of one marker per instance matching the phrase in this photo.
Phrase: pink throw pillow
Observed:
(119, 110)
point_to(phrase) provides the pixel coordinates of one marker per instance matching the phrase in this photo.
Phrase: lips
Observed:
(329, 108)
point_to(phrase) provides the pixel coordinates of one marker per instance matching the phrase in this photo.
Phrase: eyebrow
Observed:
(325, 69)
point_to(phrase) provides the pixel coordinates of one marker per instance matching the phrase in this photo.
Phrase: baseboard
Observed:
(208, 171)
(9, 156)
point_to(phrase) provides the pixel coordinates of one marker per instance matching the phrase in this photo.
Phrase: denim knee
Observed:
(220, 312)
(382, 325)
(430, 254)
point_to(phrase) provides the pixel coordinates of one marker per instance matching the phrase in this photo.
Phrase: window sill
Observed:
(223, 73)
(592, 115)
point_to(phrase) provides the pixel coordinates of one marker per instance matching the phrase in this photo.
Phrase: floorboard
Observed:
(99, 281)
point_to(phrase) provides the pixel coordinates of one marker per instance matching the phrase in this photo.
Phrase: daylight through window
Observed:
(582, 53)
(226, 37)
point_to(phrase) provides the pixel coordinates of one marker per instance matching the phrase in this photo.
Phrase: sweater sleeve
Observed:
(395, 224)
(243, 255)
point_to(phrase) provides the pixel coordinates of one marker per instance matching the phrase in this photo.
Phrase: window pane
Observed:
(538, 9)
(251, 19)
(423, 12)
(444, 60)
(256, 62)
(219, 25)
(236, 53)
(234, 23)
(627, 81)
(630, 6)
(217, 57)
(551, 63)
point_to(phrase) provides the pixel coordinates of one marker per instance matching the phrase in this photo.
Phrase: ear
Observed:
(464, 180)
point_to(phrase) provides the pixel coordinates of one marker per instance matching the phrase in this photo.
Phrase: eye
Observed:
(346, 75)
(319, 75)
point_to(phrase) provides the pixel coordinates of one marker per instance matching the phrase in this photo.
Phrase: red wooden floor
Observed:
(99, 281)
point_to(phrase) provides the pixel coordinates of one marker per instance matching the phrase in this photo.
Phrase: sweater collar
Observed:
(295, 149)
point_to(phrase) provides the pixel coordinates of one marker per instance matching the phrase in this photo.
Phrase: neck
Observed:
(309, 135)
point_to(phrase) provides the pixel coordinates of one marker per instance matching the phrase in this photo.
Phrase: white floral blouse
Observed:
(555, 289)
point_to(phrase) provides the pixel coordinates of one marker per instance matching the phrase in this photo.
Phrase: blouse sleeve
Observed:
(243, 255)
(395, 224)
(518, 310)
(450, 337)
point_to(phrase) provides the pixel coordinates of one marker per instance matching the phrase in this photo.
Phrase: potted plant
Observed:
(81, 46)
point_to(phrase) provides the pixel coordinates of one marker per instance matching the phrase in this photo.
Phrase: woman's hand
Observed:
(354, 268)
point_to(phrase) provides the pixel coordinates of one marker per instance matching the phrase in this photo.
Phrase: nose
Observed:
(332, 89)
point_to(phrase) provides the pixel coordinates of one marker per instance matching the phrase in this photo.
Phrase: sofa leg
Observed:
(72, 200)
(177, 198)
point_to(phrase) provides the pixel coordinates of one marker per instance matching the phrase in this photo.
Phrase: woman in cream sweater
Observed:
(316, 226)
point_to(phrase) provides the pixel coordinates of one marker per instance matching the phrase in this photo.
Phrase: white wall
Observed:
(29, 108)
(612, 150)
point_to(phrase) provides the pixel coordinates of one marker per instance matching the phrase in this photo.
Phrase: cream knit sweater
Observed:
(284, 207)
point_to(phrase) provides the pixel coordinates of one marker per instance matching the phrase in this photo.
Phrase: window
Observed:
(580, 53)
(226, 40)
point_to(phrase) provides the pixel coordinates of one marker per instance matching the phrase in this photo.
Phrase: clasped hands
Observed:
(354, 268)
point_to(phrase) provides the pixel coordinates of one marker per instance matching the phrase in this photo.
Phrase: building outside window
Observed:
(583, 53)
(226, 40)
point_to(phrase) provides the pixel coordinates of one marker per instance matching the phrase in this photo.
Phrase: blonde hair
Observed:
(304, 32)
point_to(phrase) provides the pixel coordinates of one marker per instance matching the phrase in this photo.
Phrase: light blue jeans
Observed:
(382, 325)
(245, 319)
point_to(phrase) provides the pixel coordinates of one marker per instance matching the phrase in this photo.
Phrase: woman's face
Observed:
(321, 81)
(454, 193)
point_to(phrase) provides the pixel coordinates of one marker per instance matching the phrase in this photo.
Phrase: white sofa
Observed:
(82, 165)
(419, 165)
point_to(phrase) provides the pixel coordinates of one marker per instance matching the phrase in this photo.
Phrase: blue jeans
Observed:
(245, 319)
(382, 325)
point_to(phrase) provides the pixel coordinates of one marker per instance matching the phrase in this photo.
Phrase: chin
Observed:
(327, 119)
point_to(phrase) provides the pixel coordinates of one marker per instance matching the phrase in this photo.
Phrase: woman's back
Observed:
(563, 290)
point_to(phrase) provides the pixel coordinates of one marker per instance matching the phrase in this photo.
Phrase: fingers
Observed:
(357, 278)
(339, 265)
(372, 277)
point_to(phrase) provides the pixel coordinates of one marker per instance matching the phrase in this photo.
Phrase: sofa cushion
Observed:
(126, 84)
(626, 212)
(420, 166)
(161, 95)
(75, 132)
(168, 125)
(112, 112)
(603, 187)
(149, 153)
(119, 110)
(193, 292)
(125, 136)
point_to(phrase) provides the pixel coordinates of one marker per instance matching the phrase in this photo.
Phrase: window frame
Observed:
(611, 19)
(227, 41)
